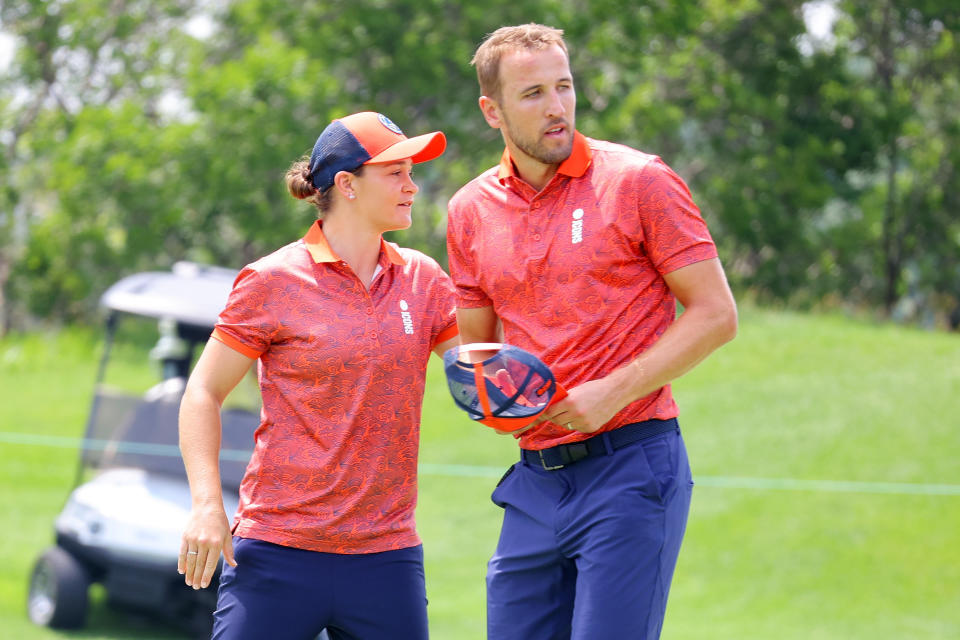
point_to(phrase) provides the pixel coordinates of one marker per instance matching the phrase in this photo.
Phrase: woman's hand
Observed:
(207, 534)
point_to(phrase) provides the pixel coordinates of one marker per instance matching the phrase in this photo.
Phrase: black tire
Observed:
(58, 591)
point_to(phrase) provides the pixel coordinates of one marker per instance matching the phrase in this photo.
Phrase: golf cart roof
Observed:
(190, 293)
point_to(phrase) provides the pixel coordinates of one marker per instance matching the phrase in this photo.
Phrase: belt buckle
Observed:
(543, 463)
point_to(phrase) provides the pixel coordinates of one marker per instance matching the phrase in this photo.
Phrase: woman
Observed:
(342, 325)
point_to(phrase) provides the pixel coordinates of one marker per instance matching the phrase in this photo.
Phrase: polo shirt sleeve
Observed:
(444, 297)
(463, 267)
(246, 324)
(674, 233)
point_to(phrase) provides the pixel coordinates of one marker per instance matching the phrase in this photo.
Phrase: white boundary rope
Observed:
(477, 471)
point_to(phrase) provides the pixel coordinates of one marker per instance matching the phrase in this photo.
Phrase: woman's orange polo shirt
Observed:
(342, 371)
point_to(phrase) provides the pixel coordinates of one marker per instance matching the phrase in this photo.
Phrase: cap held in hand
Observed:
(499, 385)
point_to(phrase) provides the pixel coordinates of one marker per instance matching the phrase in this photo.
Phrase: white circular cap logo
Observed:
(388, 123)
(403, 305)
(578, 214)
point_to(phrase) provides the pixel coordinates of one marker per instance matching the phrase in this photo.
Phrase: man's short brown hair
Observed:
(530, 36)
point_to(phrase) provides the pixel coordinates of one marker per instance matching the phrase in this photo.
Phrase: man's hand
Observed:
(586, 408)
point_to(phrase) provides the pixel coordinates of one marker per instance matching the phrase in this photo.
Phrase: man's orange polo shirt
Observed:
(575, 272)
(342, 372)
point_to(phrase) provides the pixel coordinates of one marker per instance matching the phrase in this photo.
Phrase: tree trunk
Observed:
(892, 240)
(4, 315)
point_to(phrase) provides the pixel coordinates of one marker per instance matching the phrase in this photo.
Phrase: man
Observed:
(577, 250)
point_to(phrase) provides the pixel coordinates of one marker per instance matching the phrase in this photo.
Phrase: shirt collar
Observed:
(320, 250)
(574, 166)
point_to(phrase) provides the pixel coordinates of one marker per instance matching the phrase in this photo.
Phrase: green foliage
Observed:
(84, 148)
(827, 168)
(908, 57)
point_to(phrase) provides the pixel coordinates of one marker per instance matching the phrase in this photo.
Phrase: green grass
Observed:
(794, 397)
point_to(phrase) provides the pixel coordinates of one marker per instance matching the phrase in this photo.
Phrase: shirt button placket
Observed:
(372, 333)
(535, 234)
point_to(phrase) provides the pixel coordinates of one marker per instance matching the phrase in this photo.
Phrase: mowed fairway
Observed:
(824, 449)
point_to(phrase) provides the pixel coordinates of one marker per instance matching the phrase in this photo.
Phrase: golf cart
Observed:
(122, 522)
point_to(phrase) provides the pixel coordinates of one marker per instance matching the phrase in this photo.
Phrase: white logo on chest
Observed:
(576, 229)
(406, 317)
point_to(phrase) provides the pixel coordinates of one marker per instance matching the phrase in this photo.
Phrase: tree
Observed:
(826, 169)
(909, 59)
(80, 69)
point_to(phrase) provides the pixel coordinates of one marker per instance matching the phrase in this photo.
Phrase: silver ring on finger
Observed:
(192, 553)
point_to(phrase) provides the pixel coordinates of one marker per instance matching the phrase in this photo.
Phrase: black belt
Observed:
(562, 455)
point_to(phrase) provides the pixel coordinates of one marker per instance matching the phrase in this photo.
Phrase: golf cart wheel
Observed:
(58, 591)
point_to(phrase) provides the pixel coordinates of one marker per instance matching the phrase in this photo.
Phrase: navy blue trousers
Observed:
(587, 552)
(284, 593)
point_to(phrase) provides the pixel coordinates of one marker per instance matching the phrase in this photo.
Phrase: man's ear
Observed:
(491, 111)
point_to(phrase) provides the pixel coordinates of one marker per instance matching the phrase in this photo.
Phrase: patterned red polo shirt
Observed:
(342, 372)
(575, 272)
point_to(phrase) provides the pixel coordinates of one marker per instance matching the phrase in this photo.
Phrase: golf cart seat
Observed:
(147, 438)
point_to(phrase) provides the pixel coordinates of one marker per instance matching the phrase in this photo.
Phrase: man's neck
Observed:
(531, 171)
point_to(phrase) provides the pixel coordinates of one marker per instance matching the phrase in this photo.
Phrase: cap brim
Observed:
(512, 425)
(419, 149)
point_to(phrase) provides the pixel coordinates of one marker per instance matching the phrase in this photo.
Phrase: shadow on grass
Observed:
(106, 622)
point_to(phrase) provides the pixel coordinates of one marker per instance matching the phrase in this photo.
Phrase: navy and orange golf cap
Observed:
(500, 385)
(367, 138)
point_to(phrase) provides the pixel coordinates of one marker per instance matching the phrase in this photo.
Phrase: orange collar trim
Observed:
(320, 250)
(574, 166)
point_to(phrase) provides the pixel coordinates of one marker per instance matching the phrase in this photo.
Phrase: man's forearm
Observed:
(478, 325)
(697, 333)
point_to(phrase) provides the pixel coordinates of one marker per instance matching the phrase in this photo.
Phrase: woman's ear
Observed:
(343, 181)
